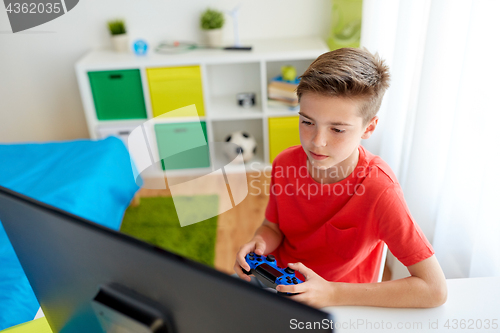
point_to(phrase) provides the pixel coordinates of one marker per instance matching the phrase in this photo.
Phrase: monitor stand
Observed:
(121, 310)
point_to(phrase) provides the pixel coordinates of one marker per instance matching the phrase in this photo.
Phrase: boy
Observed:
(332, 203)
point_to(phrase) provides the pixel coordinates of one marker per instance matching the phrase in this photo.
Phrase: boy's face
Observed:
(331, 130)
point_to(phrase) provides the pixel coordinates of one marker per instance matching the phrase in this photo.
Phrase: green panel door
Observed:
(177, 139)
(118, 94)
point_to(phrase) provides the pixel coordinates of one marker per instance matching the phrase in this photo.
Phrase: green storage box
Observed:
(176, 140)
(118, 94)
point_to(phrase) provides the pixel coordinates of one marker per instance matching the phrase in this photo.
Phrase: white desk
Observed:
(471, 300)
(470, 303)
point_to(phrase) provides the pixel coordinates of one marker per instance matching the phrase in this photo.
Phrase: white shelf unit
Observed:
(224, 74)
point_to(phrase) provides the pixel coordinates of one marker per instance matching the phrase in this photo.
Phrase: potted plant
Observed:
(211, 23)
(119, 36)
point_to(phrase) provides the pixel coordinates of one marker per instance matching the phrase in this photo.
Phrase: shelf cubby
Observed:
(225, 81)
(223, 128)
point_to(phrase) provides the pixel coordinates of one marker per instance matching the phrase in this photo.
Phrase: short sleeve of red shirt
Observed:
(396, 227)
(338, 229)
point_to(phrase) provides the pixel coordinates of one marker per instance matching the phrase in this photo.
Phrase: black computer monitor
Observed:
(89, 278)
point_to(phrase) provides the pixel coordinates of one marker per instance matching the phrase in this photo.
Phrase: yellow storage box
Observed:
(283, 133)
(174, 87)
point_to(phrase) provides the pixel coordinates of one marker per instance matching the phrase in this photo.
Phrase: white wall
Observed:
(39, 97)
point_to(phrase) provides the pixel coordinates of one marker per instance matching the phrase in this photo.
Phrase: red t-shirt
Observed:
(338, 229)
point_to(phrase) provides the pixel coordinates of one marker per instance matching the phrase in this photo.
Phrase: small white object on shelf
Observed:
(120, 43)
(214, 37)
(240, 142)
(246, 100)
(234, 15)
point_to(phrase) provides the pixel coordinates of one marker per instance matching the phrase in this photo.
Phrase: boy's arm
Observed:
(425, 288)
(266, 239)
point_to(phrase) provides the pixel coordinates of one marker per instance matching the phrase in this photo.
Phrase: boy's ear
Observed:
(370, 128)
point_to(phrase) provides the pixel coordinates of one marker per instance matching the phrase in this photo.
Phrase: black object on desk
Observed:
(89, 278)
(238, 48)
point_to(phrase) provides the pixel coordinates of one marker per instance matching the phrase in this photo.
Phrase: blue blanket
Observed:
(92, 179)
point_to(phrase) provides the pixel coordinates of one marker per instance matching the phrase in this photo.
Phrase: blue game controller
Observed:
(267, 271)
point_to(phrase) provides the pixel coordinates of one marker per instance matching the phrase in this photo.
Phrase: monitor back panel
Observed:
(67, 259)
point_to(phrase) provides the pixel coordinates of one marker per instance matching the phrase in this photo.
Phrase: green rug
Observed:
(155, 221)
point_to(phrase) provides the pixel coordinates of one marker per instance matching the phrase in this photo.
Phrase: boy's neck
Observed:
(336, 173)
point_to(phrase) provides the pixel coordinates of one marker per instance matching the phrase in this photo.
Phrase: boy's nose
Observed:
(319, 139)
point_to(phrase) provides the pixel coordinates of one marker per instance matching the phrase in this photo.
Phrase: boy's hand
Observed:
(314, 291)
(256, 245)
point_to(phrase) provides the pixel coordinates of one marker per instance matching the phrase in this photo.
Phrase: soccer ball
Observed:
(240, 142)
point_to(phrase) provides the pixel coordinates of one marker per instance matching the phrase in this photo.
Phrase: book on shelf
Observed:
(279, 78)
(274, 103)
(284, 101)
(283, 92)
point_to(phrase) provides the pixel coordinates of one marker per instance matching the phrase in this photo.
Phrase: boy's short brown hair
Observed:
(350, 73)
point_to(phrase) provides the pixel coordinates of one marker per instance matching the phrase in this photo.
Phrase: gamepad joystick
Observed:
(267, 271)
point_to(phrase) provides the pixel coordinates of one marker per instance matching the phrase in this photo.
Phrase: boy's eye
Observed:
(306, 122)
(336, 130)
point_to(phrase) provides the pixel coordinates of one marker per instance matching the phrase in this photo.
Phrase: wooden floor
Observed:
(235, 226)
